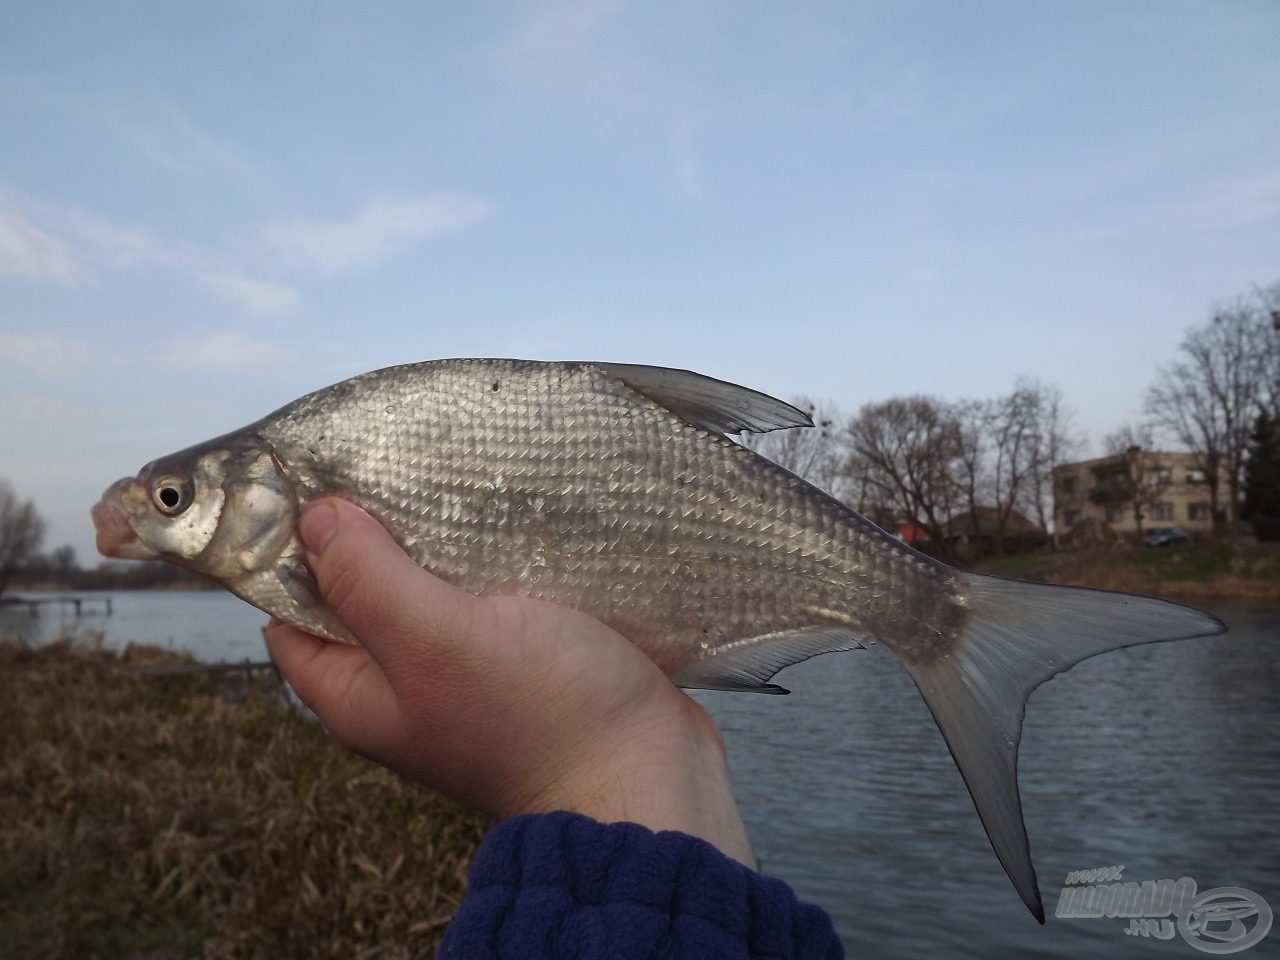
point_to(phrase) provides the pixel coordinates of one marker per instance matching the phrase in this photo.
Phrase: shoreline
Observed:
(1231, 589)
(1209, 571)
(1204, 571)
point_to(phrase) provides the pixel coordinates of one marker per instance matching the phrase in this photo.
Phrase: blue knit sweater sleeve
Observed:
(565, 886)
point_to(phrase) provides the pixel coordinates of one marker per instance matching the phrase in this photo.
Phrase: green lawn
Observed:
(1210, 561)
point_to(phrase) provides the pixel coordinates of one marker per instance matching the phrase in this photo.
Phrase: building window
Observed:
(1197, 511)
(1070, 518)
(1067, 485)
(1158, 476)
(1160, 511)
(1195, 475)
(1115, 513)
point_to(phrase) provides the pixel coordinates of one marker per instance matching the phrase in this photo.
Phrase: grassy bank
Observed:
(1203, 570)
(196, 816)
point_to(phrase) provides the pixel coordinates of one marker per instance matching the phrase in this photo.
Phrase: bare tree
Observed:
(1269, 342)
(973, 419)
(1009, 447)
(933, 463)
(1209, 399)
(814, 453)
(971, 471)
(903, 454)
(1056, 441)
(62, 561)
(1262, 479)
(1142, 476)
(21, 531)
(1014, 425)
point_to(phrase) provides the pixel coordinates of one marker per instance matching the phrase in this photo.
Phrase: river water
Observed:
(1164, 759)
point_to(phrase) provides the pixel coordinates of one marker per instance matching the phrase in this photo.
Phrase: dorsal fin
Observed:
(706, 402)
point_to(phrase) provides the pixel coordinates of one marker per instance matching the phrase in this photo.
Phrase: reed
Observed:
(173, 816)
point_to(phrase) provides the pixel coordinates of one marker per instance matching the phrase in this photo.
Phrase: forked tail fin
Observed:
(1016, 636)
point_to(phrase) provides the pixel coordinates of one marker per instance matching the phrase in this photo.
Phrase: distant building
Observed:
(983, 532)
(1107, 494)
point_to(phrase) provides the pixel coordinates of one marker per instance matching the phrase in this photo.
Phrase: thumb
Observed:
(392, 606)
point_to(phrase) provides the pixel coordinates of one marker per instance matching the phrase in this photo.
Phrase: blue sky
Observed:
(207, 210)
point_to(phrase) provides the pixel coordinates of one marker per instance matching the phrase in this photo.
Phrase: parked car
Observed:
(1167, 537)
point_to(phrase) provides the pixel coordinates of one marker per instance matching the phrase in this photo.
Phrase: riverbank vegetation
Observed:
(1204, 570)
(194, 815)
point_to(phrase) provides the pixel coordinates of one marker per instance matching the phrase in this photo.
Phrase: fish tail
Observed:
(1017, 635)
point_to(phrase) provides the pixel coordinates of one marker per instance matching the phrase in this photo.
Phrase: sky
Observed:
(210, 209)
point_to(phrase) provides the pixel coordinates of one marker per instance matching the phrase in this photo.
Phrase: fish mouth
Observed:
(116, 538)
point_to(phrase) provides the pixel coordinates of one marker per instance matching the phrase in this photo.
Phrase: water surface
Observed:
(213, 625)
(1163, 758)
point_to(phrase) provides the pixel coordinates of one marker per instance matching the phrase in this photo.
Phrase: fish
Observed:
(618, 490)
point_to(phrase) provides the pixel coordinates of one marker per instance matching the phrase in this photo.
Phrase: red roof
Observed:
(912, 533)
(985, 521)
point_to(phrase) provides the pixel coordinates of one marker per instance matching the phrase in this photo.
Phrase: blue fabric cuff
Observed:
(566, 886)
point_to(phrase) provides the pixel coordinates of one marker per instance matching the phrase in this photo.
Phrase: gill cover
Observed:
(259, 513)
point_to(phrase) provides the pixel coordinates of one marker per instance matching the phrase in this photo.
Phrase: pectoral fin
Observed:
(288, 591)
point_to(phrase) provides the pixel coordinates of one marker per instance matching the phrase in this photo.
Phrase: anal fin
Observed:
(749, 665)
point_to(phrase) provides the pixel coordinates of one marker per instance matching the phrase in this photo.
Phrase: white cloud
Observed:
(121, 247)
(260, 297)
(45, 353)
(68, 244)
(1242, 202)
(174, 141)
(28, 410)
(379, 231)
(559, 31)
(581, 58)
(28, 251)
(687, 163)
(61, 242)
(230, 351)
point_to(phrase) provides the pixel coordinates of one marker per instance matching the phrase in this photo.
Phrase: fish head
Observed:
(223, 509)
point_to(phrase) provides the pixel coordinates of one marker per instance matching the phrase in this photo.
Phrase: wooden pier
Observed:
(82, 605)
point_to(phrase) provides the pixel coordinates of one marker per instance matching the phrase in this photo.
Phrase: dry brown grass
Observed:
(1102, 568)
(1208, 571)
(194, 816)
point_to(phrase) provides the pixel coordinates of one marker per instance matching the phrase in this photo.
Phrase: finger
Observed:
(341, 684)
(398, 611)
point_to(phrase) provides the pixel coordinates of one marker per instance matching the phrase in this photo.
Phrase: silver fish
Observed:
(615, 489)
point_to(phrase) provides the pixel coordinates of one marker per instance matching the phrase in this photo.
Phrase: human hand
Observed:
(507, 705)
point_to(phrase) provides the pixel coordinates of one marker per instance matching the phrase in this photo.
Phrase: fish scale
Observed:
(615, 489)
(676, 527)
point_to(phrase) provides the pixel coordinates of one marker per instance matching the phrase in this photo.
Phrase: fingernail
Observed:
(317, 525)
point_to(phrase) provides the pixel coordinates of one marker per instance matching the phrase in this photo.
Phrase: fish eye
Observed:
(171, 494)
